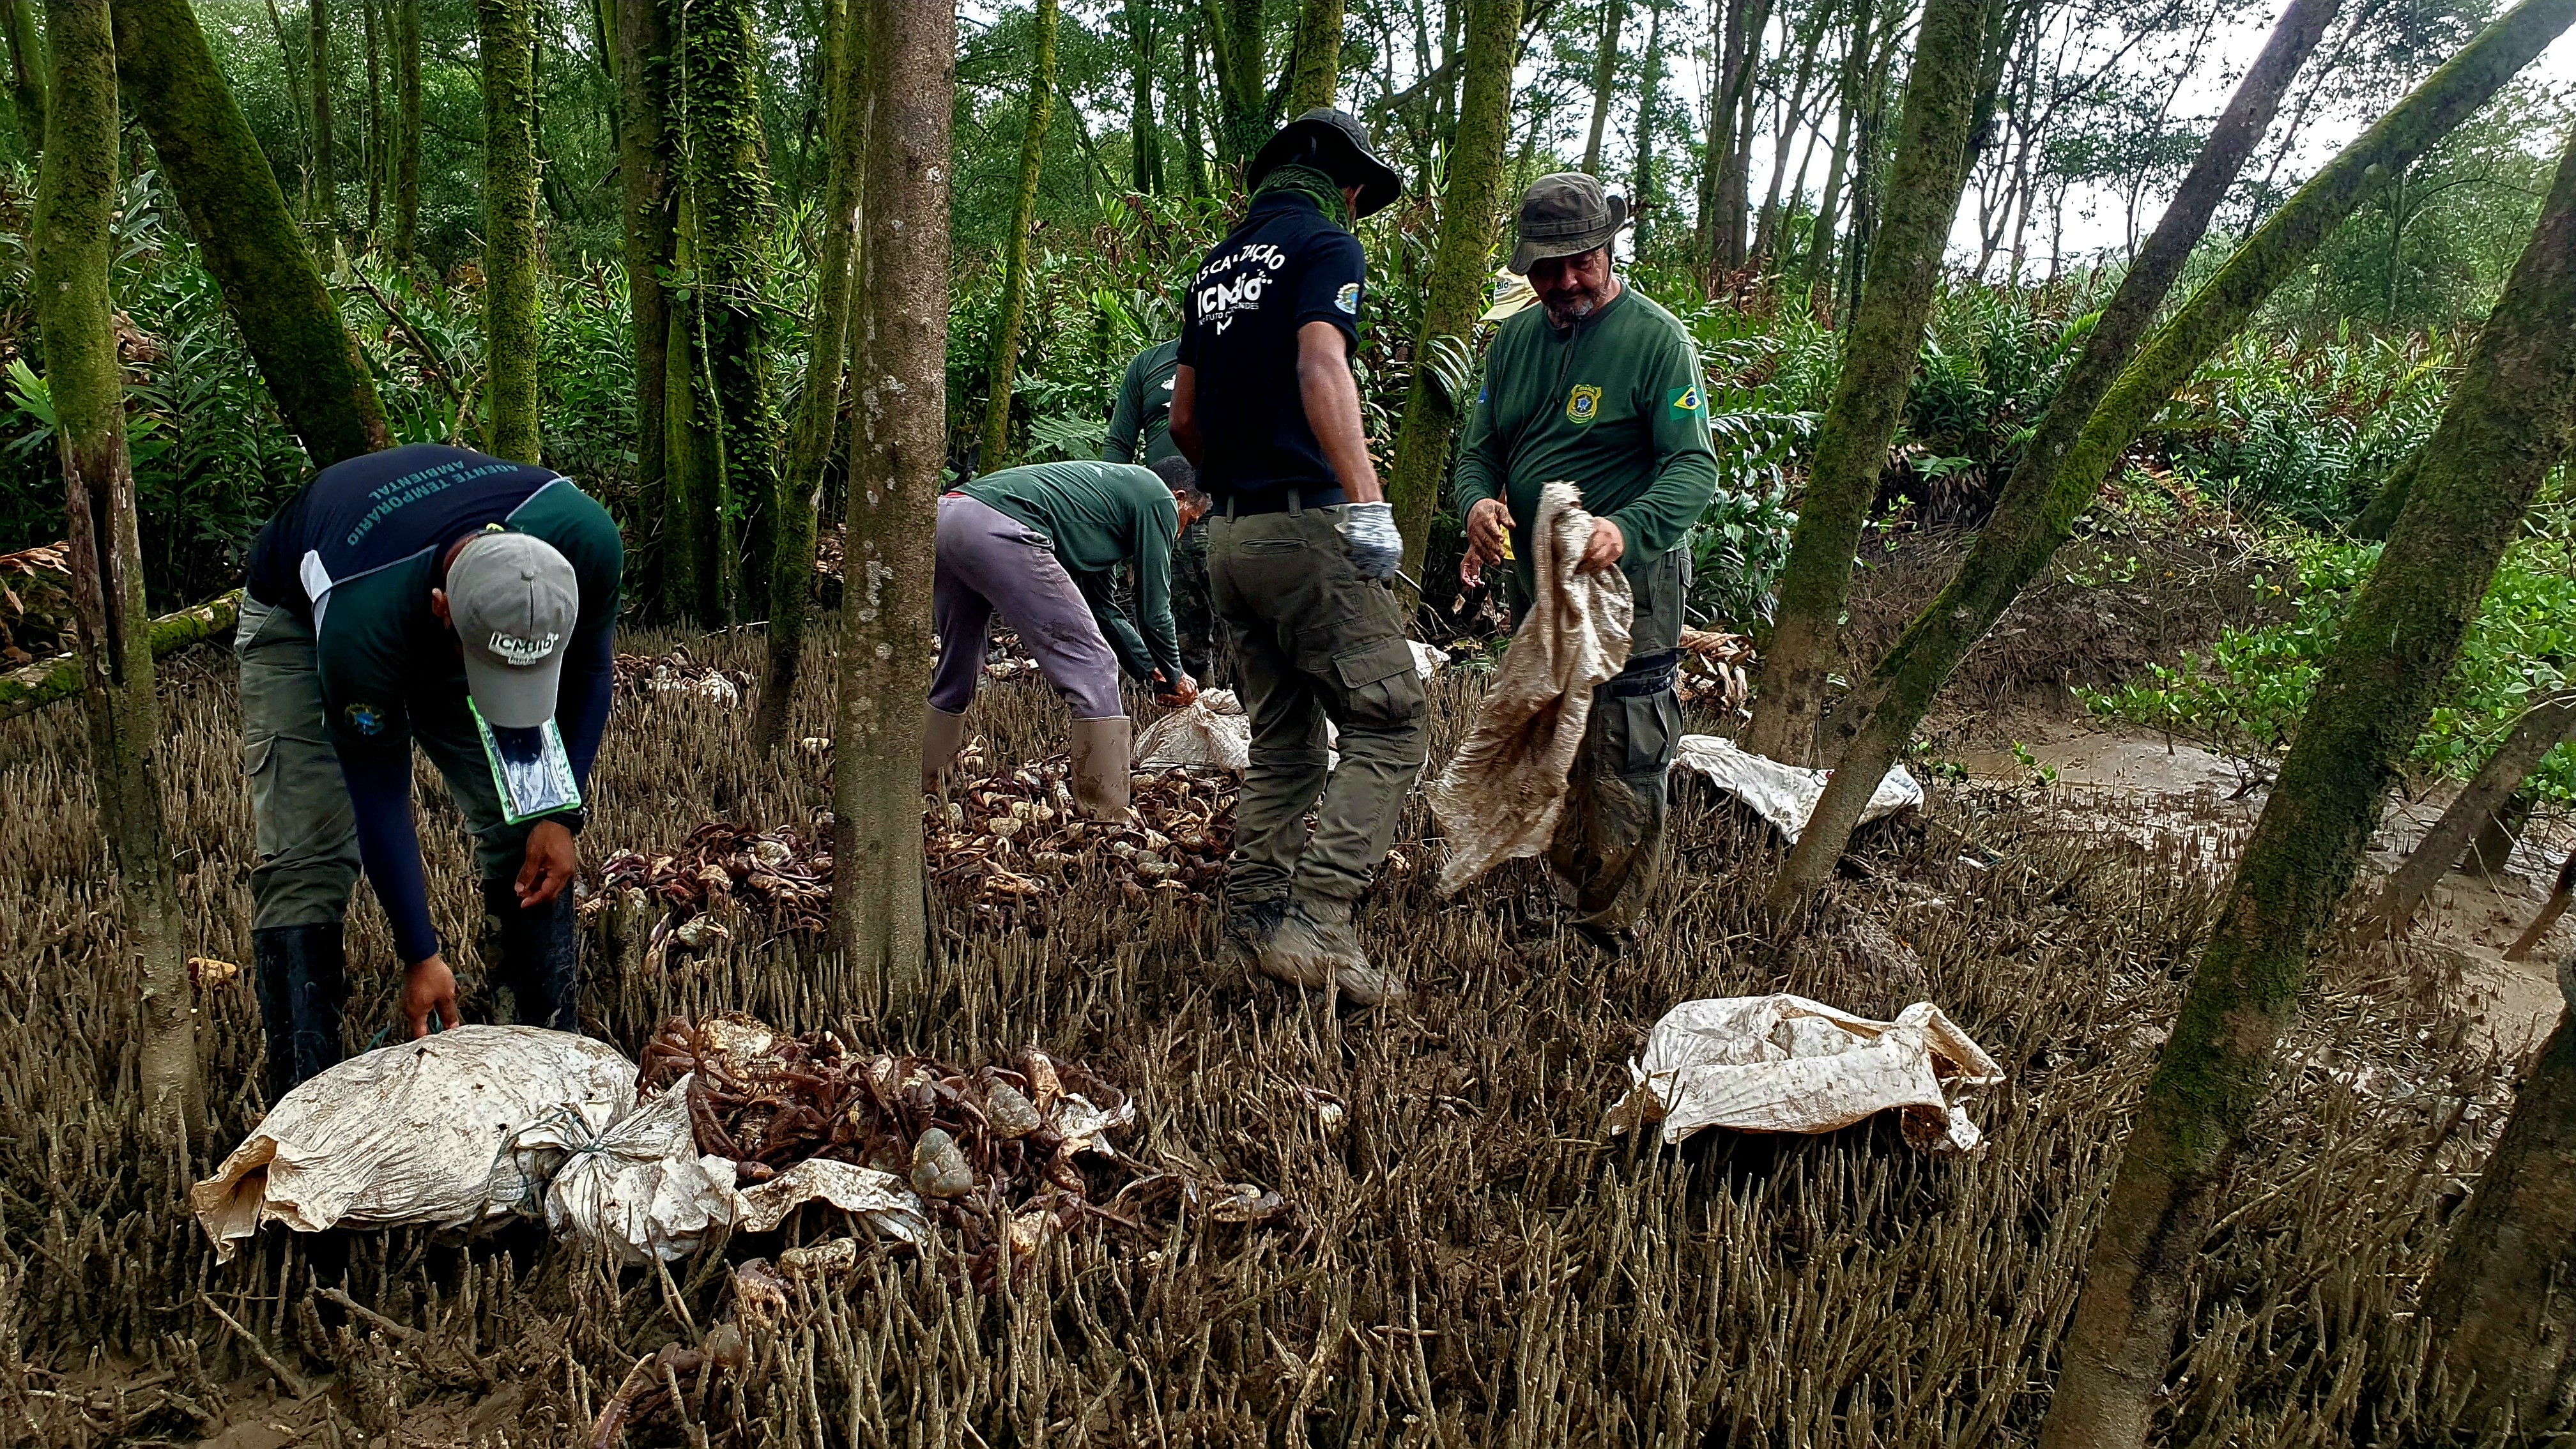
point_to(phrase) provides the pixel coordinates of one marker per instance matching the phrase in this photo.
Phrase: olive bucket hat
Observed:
(1337, 143)
(1566, 215)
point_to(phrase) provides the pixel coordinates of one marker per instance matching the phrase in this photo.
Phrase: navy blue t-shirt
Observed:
(1283, 267)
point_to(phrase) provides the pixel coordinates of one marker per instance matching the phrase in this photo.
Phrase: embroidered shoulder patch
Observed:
(1685, 399)
(1583, 404)
(1348, 298)
(366, 719)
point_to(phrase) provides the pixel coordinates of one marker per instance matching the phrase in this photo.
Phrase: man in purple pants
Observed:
(1038, 544)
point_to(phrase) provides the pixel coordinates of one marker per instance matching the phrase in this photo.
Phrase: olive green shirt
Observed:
(1097, 516)
(1614, 405)
(1140, 429)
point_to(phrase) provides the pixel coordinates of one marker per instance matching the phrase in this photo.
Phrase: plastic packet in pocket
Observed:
(530, 771)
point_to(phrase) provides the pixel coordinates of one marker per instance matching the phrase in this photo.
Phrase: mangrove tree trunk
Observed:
(511, 331)
(1879, 353)
(1319, 56)
(996, 434)
(2504, 428)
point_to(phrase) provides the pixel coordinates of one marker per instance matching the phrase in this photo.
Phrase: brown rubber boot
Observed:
(1101, 751)
(942, 734)
(1316, 945)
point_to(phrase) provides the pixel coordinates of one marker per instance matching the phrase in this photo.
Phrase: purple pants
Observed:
(990, 561)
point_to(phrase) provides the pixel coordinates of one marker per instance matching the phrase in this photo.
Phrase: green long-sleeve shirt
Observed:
(1612, 404)
(1097, 516)
(1140, 428)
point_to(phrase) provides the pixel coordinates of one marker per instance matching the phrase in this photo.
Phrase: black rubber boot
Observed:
(303, 980)
(540, 957)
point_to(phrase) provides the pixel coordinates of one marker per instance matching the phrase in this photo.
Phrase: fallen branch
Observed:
(2550, 911)
(33, 686)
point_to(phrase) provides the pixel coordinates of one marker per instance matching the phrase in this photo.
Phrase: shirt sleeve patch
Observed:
(1684, 399)
(1348, 298)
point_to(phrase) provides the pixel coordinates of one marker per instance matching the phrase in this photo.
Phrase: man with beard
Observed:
(1599, 386)
(1299, 552)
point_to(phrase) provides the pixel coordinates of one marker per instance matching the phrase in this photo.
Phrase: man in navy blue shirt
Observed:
(433, 596)
(1300, 547)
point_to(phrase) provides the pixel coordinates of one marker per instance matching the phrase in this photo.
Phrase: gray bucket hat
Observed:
(1563, 215)
(1337, 142)
(514, 600)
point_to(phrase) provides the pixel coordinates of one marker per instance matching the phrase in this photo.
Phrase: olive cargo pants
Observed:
(1609, 842)
(1313, 641)
(307, 833)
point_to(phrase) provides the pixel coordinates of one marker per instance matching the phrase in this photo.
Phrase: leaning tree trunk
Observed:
(1605, 76)
(406, 132)
(1318, 56)
(1470, 206)
(245, 233)
(511, 329)
(26, 71)
(1878, 361)
(996, 435)
(2502, 431)
(75, 199)
(640, 51)
(2496, 1302)
(326, 176)
(2541, 729)
(2069, 455)
(2387, 501)
(896, 450)
(818, 410)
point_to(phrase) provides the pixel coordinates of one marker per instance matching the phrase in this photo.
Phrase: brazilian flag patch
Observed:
(1684, 399)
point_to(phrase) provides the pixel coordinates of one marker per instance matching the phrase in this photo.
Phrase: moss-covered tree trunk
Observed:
(1605, 79)
(326, 175)
(1878, 362)
(511, 328)
(1243, 118)
(2070, 454)
(406, 146)
(26, 71)
(1193, 135)
(2380, 514)
(75, 199)
(639, 51)
(723, 428)
(1144, 143)
(698, 532)
(995, 437)
(2542, 728)
(2496, 1303)
(245, 234)
(371, 155)
(1319, 56)
(1650, 90)
(2504, 428)
(818, 410)
(1470, 208)
(897, 447)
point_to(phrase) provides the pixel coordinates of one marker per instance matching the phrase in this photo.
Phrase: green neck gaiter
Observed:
(1312, 182)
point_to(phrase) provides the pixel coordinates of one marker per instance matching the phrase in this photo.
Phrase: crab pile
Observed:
(1012, 836)
(1715, 670)
(1002, 1156)
(787, 877)
(677, 673)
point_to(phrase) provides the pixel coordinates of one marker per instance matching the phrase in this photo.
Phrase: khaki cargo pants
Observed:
(1313, 641)
(306, 830)
(1609, 842)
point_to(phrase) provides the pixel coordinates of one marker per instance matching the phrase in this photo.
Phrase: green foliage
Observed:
(2249, 692)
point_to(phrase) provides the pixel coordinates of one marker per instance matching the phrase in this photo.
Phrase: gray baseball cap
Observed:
(514, 601)
(1563, 215)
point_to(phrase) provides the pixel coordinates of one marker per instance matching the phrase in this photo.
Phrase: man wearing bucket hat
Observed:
(435, 595)
(1300, 548)
(1599, 386)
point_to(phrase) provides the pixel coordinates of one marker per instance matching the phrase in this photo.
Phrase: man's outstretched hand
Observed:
(550, 865)
(429, 987)
(1183, 693)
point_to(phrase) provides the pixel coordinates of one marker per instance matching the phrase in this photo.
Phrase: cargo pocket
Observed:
(1380, 684)
(1650, 727)
(258, 760)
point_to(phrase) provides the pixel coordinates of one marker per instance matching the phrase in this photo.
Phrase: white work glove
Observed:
(1376, 548)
